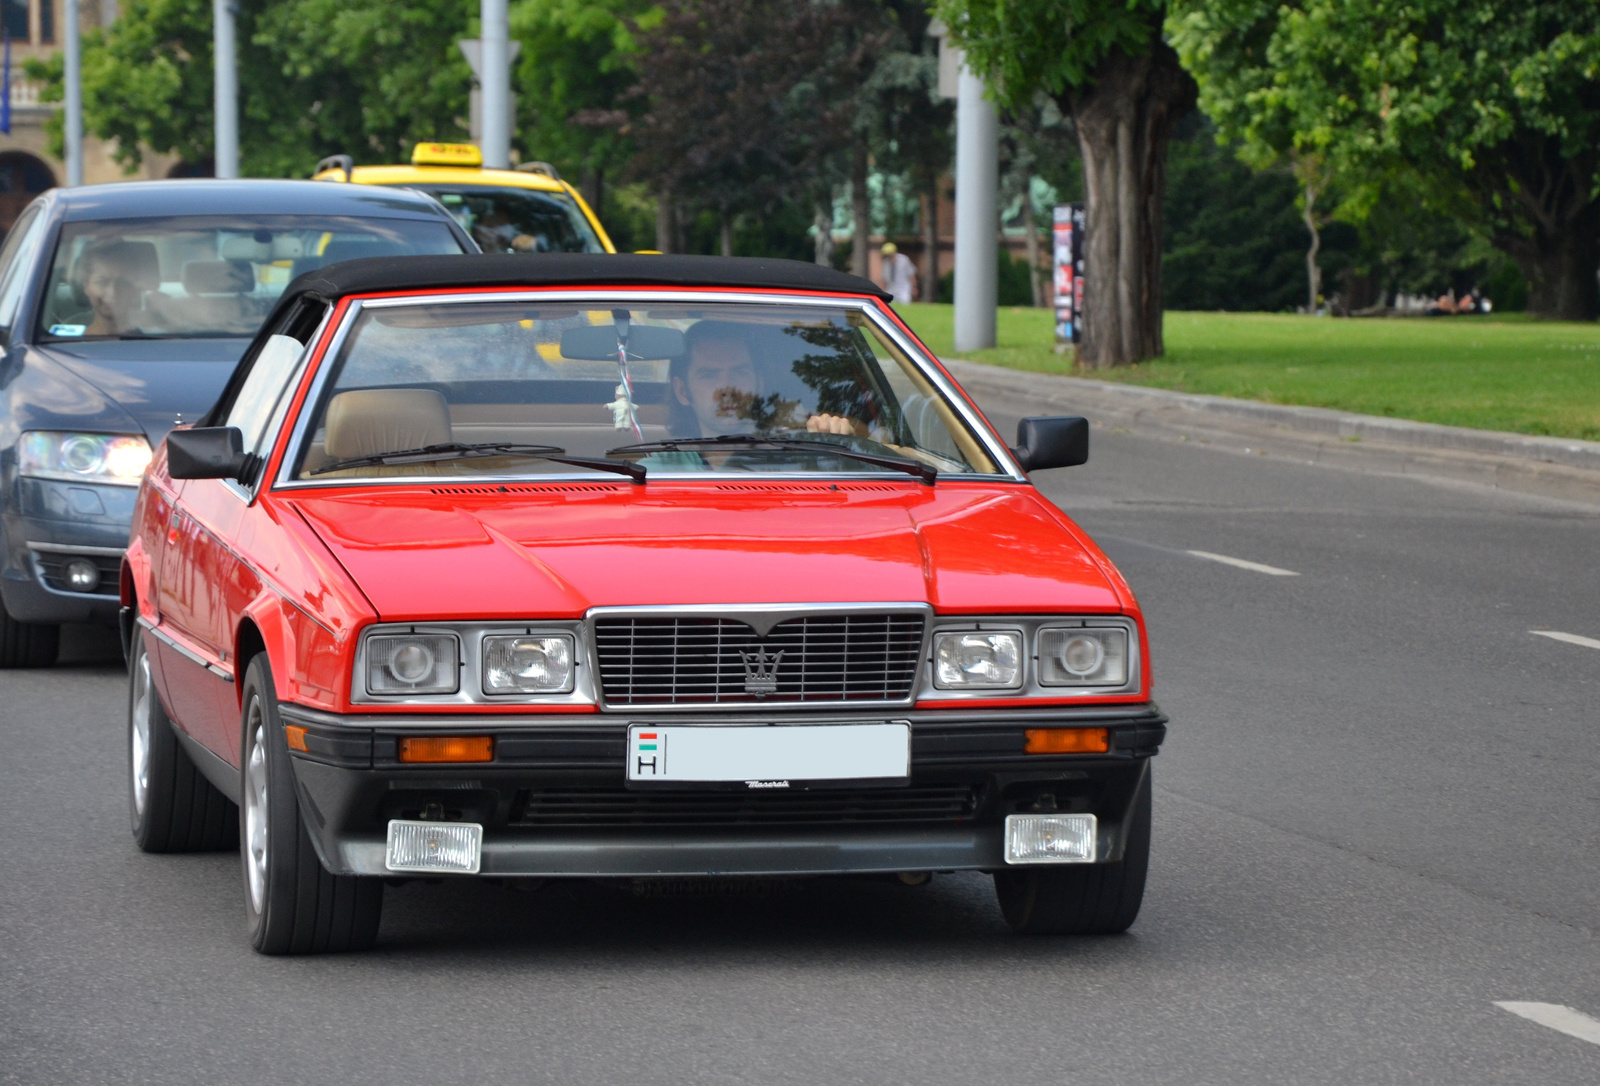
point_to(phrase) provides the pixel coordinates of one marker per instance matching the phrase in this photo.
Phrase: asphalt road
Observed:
(1378, 814)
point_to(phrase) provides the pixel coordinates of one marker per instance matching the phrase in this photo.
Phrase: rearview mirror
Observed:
(1052, 441)
(598, 343)
(208, 452)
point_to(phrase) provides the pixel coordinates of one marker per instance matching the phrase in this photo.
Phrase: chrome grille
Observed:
(684, 660)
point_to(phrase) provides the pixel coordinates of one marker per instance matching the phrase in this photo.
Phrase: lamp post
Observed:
(72, 94)
(495, 79)
(977, 197)
(226, 151)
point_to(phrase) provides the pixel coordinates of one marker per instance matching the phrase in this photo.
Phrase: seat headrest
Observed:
(219, 277)
(368, 421)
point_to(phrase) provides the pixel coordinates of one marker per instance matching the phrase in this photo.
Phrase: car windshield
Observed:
(511, 220)
(211, 276)
(496, 388)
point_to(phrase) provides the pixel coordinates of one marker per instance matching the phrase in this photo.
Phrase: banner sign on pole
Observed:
(1067, 248)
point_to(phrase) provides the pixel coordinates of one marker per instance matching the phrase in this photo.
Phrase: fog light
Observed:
(1050, 839)
(434, 846)
(82, 575)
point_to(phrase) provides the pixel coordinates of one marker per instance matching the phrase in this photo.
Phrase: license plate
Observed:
(767, 755)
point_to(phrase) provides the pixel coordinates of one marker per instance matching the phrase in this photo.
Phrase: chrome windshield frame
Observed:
(293, 442)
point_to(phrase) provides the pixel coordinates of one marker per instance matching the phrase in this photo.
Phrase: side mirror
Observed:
(208, 452)
(1052, 441)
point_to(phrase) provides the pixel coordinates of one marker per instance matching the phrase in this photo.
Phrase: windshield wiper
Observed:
(926, 472)
(455, 450)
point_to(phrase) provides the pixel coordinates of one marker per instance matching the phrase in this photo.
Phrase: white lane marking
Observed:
(1562, 1019)
(1571, 639)
(1256, 567)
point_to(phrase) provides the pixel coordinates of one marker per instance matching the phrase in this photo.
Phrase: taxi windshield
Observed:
(497, 389)
(205, 276)
(512, 220)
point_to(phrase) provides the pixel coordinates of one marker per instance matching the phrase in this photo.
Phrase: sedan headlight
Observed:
(531, 664)
(977, 660)
(119, 459)
(424, 663)
(1083, 657)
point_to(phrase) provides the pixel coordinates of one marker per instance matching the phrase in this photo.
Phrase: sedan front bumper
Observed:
(553, 801)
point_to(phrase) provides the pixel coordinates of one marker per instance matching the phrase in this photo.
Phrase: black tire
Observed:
(27, 644)
(292, 903)
(1087, 899)
(171, 805)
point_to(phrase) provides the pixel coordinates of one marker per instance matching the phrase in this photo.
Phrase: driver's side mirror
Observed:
(209, 452)
(1052, 441)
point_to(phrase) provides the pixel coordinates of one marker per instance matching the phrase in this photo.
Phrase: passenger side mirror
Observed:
(209, 452)
(1052, 441)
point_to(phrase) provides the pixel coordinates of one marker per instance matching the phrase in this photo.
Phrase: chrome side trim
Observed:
(93, 552)
(185, 651)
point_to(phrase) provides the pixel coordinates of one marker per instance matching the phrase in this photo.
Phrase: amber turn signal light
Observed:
(295, 736)
(1068, 741)
(447, 748)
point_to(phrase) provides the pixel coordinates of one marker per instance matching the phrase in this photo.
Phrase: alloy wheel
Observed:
(255, 807)
(139, 737)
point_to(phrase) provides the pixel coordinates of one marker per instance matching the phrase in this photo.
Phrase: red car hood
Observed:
(555, 551)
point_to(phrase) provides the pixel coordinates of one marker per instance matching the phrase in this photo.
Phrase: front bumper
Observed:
(49, 522)
(552, 803)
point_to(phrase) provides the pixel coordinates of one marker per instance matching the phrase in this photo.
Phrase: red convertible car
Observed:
(626, 567)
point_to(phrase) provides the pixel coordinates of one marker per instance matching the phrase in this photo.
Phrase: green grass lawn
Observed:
(1493, 373)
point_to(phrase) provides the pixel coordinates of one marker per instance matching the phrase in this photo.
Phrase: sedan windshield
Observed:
(205, 276)
(496, 389)
(508, 220)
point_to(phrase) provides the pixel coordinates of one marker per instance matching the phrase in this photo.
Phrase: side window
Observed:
(15, 256)
(265, 388)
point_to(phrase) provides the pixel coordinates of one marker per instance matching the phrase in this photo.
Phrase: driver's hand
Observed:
(835, 424)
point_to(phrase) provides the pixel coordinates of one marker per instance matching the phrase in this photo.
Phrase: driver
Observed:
(717, 390)
(110, 274)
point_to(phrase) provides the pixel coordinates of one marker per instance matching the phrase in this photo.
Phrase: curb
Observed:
(1083, 395)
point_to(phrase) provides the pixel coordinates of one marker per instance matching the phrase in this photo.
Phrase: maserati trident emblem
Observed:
(761, 672)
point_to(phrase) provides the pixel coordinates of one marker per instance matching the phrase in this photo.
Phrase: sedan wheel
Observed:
(171, 806)
(293, 904)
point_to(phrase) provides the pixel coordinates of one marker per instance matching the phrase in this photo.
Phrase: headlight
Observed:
(533, 664)
(119, 459)
(413, 664)
(1083, 657)
(977, 660)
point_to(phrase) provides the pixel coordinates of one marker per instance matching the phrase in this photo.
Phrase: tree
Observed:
(1109, 70)
(366, 77)
(1487, 111)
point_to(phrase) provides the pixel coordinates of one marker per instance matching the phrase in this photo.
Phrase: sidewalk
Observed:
(1556, 467)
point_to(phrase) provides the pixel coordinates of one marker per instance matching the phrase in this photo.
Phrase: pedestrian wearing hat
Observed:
(898, 275)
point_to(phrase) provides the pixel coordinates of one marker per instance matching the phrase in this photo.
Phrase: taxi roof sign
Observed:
(446, 154)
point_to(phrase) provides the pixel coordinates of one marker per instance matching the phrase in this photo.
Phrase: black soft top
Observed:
(375, 274)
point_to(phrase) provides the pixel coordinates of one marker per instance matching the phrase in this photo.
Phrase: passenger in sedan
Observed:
(114, 276)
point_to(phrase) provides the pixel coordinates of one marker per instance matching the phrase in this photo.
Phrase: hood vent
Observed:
(805, 488)
(526, 488)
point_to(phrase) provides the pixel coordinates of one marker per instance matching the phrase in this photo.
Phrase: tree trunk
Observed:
(1313, 269)
(1560, 267)
(1031, 233)
(822, 244)
(1124, 120)
(930, 241)
(725, 230)
(665, 213)
(860, 210)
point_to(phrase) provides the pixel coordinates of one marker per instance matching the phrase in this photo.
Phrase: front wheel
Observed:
(293, 904)
(1082, 899)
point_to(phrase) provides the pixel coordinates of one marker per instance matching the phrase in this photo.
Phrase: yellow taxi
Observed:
(525, 210)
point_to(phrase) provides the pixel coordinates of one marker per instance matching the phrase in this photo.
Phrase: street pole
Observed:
(226, 154)
(977, 214)
(72, 94)
(495, 79)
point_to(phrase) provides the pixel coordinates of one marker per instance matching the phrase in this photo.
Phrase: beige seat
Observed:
(369, 421)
